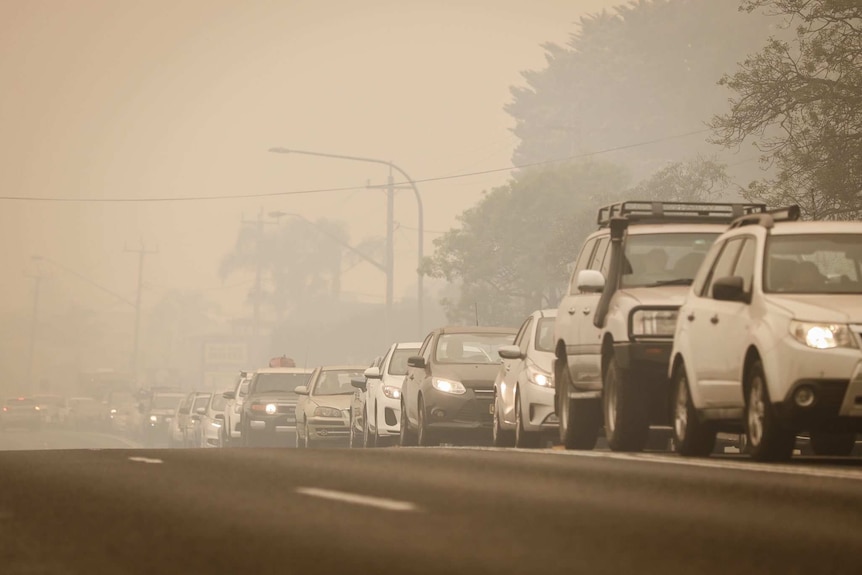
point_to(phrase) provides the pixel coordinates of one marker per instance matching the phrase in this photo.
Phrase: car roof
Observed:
(816, 227)
(342, 367)
(408, 345)
(476, 329)
(284, 370)
(546, 313)
(687, 228)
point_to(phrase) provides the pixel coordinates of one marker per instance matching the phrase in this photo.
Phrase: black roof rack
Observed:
(768, 219)
(648, 212)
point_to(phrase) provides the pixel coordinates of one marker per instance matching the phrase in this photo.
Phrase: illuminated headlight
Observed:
(154, 418)
(37, 408)
(448, 386)
(540, 378)
(822, 335)
(113, 411)
(654, 322)
(391, 392)
(327, 412)
(271, 408)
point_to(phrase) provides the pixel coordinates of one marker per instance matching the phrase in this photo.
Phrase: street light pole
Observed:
(390, 226)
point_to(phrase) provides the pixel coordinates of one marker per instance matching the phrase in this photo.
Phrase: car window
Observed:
(745, 264)
(218, 402)
(699, 284)
(335, 382)
(725, 263)
(478, 348)
(600, 254)
(398, 363)
(522, 331)
(243, 389)
(583, 259)
(525, 336)
(278, 382)
(201, 401)
(426, 348)
(545, 334)
(664, 258)
(813, 263)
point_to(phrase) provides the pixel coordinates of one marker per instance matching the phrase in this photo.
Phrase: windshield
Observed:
(166, 401)
(471, 347)
(335, 382)
(279, 382)
(201, 401)
(398, 363)
(663, 259)
(813, 264)
(545, 334)
(218, 402)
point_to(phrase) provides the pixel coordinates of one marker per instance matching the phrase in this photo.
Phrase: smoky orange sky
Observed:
(123, 99)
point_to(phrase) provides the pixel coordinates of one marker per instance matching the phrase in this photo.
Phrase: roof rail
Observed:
(768, 218)
(649, 212)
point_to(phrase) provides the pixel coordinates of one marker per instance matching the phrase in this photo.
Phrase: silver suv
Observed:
(615, 324)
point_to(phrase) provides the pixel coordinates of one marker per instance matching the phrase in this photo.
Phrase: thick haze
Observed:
(110, 99)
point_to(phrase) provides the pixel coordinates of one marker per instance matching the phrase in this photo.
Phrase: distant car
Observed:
(184, 424)
(86, 414)
(159, 412)
(449, 389)
(323, 411)
(359, 431)
(524, 399)
(21, 412)
(52, 408)
(212, 429)
(268, 412)
(194, 430)
(122, 413)
(233, 407)
(383, 395)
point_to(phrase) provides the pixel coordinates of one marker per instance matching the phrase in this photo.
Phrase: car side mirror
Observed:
(416, 361)
(201, 410)
(301, 390)
(229, 395)
(590, 281)
(358, 382)
(373, 373)
(729, 288)
(510, 352)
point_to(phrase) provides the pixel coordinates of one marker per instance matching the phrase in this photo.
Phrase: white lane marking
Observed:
(145, 460)
(379, 502)
(778, 468)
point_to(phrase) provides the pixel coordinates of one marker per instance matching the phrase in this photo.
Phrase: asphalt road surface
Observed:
(420, 510)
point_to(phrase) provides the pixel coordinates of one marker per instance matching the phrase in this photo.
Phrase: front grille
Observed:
(476, 410)
(287, 409)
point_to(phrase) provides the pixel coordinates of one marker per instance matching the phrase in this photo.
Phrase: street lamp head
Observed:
(279, 150)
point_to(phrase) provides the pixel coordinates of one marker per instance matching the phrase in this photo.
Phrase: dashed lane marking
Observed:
(145, 460)
(356, 499)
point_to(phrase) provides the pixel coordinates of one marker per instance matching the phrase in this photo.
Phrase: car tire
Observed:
(580, 419)
(425, 437)
(369, 439)
(499, 436)
(407, 437)
(626, 410)
(768, 438)
(691, 436)
(523, 438)
(353, 442)
(833, 444)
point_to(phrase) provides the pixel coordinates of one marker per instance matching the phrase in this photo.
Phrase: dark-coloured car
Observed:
(268, 412)
(323, 412)
(449, 389)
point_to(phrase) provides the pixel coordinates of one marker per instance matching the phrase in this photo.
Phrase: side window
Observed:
(522, 331)
(524, 342)
(597, 262)
(700, 277)
(583, 259)
(745, 264)
(725, 263)
(426, 348)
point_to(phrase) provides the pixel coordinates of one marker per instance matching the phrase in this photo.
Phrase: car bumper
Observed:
(274, 424)
(328, 428)
(647, 358)
(388, 416)
(471, 410)
(537, 408)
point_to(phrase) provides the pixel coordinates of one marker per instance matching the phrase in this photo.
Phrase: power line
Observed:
(356, 188)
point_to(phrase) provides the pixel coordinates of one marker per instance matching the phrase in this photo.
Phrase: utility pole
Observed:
(390, 253)
(37, 281)
(142, 253)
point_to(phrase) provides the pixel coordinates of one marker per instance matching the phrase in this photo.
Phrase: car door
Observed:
(413, 381)
(705, 338)
(588, 366)
(510, 370)
(303, 403)
(373, 387)
(567, 326)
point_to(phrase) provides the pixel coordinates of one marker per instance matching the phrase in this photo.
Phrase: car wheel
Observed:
(836, 444)
(625, 410)
(407, 437)
(580, 419)
(501, 437)
(691, 437)
(524, 438)
(768, 439)
(425, 436)
(368, 438)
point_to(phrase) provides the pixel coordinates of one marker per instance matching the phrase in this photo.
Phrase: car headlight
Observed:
(448, 386)
(392, 392)
(154, 418)
(653, 322)
(113, 411)
(540, 377)
(271, 408)
(822, 335)
(327, 412)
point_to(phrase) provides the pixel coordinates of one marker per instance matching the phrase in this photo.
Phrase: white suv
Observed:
(233, 407)
(615, 324)
(768, 339)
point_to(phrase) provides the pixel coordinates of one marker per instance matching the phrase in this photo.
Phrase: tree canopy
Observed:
(800, 101)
